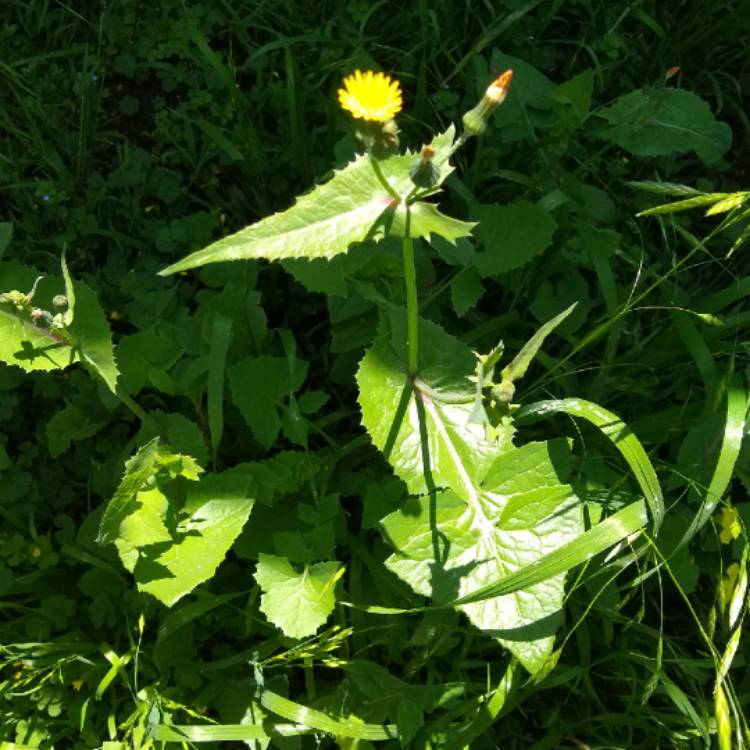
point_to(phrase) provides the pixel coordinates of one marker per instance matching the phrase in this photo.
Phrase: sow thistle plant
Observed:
(492, 525)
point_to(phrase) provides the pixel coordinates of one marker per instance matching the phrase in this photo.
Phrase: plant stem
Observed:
(412, 305)
(145, 418)
(382, 179)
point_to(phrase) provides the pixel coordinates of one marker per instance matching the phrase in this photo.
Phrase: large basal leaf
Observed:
(424, 430)
(297, 602)
(327, 220)
(448, 548)
(172, 529)
(660, 121)
(33, 347)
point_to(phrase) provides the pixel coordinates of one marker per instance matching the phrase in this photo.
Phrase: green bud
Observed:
(423, 171)
(41, 317)
(476, 120)
(504, 392)
(60, 301)
(379, 138)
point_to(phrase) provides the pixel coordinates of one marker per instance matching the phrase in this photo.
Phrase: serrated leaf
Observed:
(170, 533)
(138, 469)
(327, 220)
(424, 220)
(511, 234)
(660, 121)
(32, 347)
(447, 549)
(215, 511)
(409, 425)
(298, 603)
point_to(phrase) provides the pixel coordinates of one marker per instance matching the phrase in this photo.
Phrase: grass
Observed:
(134, 133)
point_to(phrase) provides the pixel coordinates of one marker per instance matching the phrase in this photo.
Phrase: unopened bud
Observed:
(504, 391)
(379, 138)
(41, 317)
(60, 301)
(423, 171)
(476, 120)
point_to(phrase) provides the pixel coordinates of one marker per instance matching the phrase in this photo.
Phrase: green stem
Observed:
(130, 403)
(412, 304)
(382, 179)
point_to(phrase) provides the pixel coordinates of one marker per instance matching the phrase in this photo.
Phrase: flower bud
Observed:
(60, 301)
(423, 171)
(41, 317)
(379, 138)
(476, 120)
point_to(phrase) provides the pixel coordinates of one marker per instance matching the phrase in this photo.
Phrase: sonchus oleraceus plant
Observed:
(492, 525)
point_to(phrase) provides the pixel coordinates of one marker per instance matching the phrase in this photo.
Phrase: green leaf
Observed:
(212, 517)
(424, 432)
(517, 368)
(145, 357)
(311, 717)
(331, 217)
(424, 220)
(70, 424)
(170, 533)
(258, 385)
(660, 121)
(138, 470)
(577, 93)
(466, 289)
(512, 235)
(298, 603)
(33, 347)
(321, 224)
(447, 548)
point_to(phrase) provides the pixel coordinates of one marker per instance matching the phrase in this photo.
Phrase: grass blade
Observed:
(620, 435)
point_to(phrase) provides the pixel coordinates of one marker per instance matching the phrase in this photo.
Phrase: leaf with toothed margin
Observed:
(428, 419)
(87, 338)
(350, 207)
(425, 220)
(447, 548)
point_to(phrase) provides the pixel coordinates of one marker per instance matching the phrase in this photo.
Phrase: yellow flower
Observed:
(729, 524)
(370, 96)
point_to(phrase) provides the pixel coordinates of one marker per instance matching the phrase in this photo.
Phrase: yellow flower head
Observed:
(371, 96)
